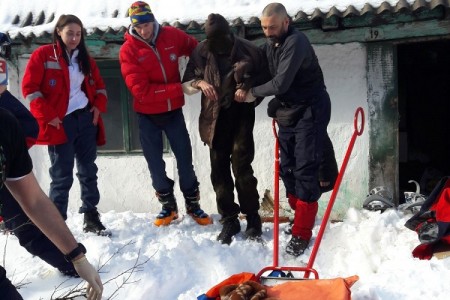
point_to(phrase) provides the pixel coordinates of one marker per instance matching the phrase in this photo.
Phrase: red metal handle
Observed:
(276, 196)
(326, 216)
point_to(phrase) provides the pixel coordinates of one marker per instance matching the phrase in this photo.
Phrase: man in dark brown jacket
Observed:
(219, 66)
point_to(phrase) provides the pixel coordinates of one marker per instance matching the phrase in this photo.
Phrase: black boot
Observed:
(254, 226)
(231, 227)
(92, 223)
(296, 246)
(169, 211)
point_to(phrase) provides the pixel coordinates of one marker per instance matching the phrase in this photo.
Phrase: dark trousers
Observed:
(7, 289)
(82, 146)
(301, 150)
(151, 131)
(233, 145)
(29, 236)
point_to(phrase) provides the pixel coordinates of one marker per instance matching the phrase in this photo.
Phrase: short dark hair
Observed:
(275, 9)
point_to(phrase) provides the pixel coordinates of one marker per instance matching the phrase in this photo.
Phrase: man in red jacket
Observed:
(149, 65)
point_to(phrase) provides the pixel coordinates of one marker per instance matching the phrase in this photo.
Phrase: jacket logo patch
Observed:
(173, 57)
(52, 82)
(142, 58)
(2, 66)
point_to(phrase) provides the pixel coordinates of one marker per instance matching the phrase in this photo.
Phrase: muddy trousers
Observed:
(234, 150)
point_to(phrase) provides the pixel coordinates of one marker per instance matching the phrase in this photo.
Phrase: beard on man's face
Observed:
(275, 39)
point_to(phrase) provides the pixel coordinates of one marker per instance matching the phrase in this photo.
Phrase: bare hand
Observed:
(55, 122)
(240, 95)
(96, 114)
(208, 90)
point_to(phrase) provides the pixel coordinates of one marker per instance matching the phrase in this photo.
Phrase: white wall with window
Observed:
(124, 180)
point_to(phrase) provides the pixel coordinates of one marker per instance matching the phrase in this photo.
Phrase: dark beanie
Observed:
(216, 25)
(140, 13)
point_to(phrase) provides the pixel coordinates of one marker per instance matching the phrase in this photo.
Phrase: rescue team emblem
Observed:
(3, 73)
(2, 66)
(173, 57)
(52, 82)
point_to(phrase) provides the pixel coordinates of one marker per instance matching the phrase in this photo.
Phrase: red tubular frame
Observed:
(308, 269)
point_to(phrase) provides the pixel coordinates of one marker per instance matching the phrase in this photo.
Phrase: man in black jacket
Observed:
(15, 219)
(16, 173)
(302, 108)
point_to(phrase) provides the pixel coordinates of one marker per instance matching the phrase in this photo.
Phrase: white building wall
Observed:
(124, 182)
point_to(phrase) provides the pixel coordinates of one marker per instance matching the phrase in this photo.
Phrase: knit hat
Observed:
(216, 25)
(140, 13)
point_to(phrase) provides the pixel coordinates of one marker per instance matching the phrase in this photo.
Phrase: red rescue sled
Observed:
(280, 283)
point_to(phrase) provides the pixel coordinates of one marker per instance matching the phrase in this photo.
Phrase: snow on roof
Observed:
(28, 17)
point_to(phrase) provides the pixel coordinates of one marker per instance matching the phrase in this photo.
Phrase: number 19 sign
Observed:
(374, 34)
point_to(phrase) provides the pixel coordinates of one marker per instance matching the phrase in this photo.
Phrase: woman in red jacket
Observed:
(67, 95)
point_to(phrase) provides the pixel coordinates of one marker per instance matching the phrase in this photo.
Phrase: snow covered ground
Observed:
(184, 260)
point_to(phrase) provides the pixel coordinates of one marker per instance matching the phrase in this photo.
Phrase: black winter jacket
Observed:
(296, 73)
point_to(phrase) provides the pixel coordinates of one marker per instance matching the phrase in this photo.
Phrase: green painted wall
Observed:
(382, 116)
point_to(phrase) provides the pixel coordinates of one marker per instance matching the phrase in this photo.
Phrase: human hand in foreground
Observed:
(86, 271)
(96, 112)
(55, 122)
(208, 90)
(244, 96)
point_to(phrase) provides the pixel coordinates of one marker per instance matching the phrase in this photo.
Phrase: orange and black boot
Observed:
(194, 210)
(169, 210)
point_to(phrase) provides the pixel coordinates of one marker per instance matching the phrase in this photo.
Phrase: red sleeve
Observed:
(137, 81)
(31, 83)
(187, 43)
(101, 97)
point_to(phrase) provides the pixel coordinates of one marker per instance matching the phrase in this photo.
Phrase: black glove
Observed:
(272, 107)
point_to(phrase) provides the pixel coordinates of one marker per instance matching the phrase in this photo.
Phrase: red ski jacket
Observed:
(46, 85)
(151, 73)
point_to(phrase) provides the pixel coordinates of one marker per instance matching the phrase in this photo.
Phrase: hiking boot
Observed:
(193, 209)
(199, 215)
(230, 228)
(93, 224)
(165, 217)
(169, 210)
(296, 246)
(254, 226)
